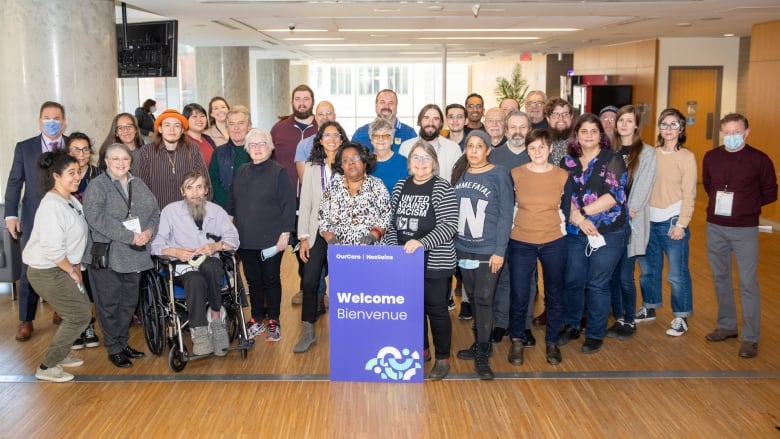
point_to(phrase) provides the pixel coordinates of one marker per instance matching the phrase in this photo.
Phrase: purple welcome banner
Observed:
(376, 312)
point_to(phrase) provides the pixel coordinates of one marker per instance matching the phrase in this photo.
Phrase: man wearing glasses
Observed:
(475, 109)
(558, 113)
(534, 107)
(24, 174)
(386, 108)
(456, 122)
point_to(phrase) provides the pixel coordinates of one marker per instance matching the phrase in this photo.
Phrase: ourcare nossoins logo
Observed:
(394, 365)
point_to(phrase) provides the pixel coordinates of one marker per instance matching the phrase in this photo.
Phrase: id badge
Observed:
(132, 224)
(723, 202)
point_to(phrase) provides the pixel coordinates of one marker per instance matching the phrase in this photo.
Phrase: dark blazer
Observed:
(24, 174)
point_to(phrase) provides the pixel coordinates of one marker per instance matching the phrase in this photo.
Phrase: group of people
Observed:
(487, 199)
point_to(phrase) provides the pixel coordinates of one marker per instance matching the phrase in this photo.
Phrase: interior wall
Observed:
(763, 94)
(633, 63)
(557, 66)
(483, 75)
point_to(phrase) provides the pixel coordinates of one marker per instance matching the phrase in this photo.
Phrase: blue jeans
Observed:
(679, 276)
(522, 265)
(590, 275)
(623, 286)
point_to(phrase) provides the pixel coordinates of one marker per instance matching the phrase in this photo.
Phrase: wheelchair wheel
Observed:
(152, 312)
(233, 321)
(177, 359)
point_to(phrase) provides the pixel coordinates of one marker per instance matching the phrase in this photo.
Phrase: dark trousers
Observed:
(264, 282)
(28, 298)
(116, 297)
(201, 287)
(436, 292)
(57, 288)
(522, 260)
(481, 284)
(312, 274)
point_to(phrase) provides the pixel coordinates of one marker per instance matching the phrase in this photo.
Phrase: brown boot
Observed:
(24, 332)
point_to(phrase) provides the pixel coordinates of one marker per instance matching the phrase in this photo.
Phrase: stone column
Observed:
(56, 51)
(222, 71)
(272, 77)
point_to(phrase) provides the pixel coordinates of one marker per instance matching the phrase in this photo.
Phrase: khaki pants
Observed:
(57, 288)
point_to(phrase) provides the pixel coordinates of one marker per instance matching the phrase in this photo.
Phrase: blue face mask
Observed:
(51, 127)
(468, 264)
(732, 142)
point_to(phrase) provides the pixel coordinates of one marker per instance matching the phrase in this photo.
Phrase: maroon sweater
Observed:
(286, 134)
(749, 174)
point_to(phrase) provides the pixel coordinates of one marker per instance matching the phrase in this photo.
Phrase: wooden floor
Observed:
(650, 386)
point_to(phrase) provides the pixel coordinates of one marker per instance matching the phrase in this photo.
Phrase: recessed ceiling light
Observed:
(728, 35)
(358, 45)
(684, 24)
(314, 39)
(386, 10)
(478, 38)
(296, 30)
(436, 8)
(551, 29)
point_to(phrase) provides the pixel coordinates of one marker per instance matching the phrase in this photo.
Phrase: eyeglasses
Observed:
(474, 106)
(534, 103)
(455, 116)
(77, 150)
(421, 158)
(607, 119)
(348, 160)
(669, 126)
(326, 113)
(125, 128)
(562, 115)
(256, 145)
(381, 136)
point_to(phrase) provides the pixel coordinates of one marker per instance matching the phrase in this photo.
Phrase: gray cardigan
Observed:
(105, 208)
(641, 188)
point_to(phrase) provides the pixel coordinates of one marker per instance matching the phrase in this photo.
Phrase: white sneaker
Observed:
(69, 361)
(54, 374)
(679, 327)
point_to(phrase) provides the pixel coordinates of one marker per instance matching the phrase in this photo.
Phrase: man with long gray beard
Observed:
(430, 120)
(194, 231)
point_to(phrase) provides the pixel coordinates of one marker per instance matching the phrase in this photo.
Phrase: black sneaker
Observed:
(497, 335)
(568, 333)
(465, 311)
(626, 331)
(79, 343)
(591, 346)
(645, 315)
(614, 330)
(468, 353)
(91, 339)
(451, 304)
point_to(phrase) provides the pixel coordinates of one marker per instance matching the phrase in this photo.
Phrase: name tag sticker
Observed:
(723, 202)
(132, 224)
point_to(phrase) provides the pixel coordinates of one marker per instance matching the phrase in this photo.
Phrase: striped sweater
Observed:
(408, 211)
(162, 172)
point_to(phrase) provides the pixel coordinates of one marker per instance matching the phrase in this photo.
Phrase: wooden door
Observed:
(696, 91)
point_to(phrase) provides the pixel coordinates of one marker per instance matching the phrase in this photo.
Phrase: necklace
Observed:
(168, 154)
(478, 167)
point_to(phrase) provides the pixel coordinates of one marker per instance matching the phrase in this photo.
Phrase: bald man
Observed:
(509, 105)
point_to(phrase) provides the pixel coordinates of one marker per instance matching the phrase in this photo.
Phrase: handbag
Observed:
(100, 254)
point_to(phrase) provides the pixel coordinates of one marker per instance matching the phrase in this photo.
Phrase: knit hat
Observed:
(479, 133)
(611, 108)
(168, 114)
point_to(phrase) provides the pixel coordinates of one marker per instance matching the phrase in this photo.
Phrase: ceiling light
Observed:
(728, 35)
(358, 45)
(314, 39)
(478, 38)
(296, 30)
(550, 29)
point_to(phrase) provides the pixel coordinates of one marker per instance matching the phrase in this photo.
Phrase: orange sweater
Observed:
(675, 180)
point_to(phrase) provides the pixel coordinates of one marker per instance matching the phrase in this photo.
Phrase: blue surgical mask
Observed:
(468, 264)
(268, 253)
(51, 127)
(732, 142)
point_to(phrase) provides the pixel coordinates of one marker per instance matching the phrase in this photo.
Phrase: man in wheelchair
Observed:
(194, 231)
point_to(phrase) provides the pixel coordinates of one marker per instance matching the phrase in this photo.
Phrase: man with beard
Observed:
(513, 153)
(430, 120)
(194, 231)
(494, 126)
(386, 108)
(534, 107)
(289, 131)
(475, 109)
(558, 113)
(230, 156)
(456, 122)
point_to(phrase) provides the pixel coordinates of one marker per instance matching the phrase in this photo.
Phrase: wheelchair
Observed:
(164, 310)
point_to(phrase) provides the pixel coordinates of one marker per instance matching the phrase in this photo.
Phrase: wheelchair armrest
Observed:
(166, 260)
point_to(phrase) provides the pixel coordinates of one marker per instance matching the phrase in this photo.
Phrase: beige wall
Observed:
(483, 75)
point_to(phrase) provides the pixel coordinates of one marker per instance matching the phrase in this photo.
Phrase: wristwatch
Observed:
(582, 211)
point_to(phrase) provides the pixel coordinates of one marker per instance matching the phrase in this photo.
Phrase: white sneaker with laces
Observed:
(69, 361)
(54, 374)
(679, 327)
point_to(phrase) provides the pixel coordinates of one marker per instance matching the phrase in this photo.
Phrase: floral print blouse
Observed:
(351, 218)
(605, 174)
